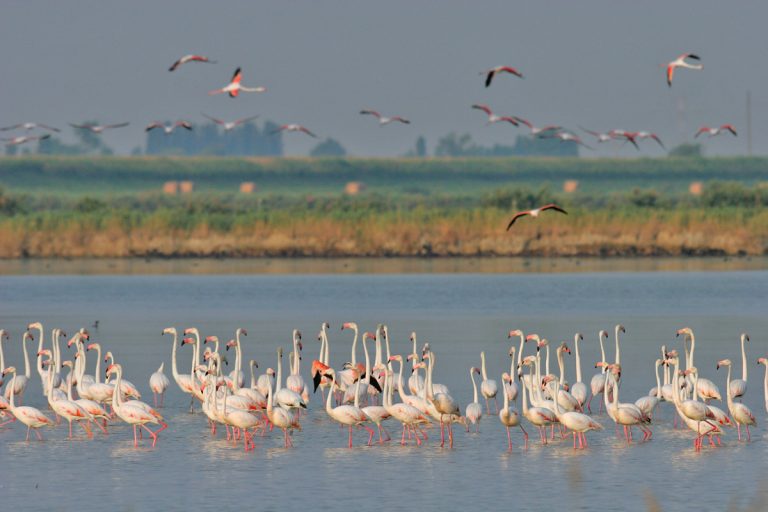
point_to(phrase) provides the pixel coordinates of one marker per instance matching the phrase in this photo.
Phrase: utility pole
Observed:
(749, 123)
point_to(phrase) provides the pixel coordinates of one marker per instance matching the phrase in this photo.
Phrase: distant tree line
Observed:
(208, 139)
(462, 145)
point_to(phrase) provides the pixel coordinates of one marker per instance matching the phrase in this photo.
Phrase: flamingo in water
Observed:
(159, 383)
(31, 417)
(234, 86)
(741, 414)
(681, 62)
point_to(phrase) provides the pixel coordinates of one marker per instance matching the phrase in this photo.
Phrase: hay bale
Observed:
(247, 187)
(696, 188)
(570, 186)
(171, 188)
(354, 187)
(186, 187)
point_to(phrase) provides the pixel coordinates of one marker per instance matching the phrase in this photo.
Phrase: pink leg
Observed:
(370, 434)
(487, 405)
(574, 439)
(28, 429)
(135, 440)
(509, 440)
(350, 436)
(524, 434)
(402, 439)
(749, 434)
(38, 434)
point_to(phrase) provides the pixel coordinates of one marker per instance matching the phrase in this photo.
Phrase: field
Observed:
(114, 207)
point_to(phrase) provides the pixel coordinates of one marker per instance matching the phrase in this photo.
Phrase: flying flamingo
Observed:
(493, 118)
(601, 137)
(23, 139)
(628, 136)
(29, 126)
(741, 414)
(649, 135)
(566, 137)
(230, 125)
(509, 416)
(158, 383)
(383, 120)
(535, 212)
(680, 62)
(31, 417)
(474, 411)
(490, 73)
(168, 128)
(98, 128)
(716, 131)
(535, 131)
(190, 58)
(294, 128)
(234, 87)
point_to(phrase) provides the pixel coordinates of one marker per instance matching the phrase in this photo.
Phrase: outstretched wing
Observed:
(670, 74)
(489, 77)
(370, 112)
(553, 206)
(217, 121)
(483, 107)
(517, 216)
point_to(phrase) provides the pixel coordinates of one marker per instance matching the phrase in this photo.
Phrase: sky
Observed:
(586, 63)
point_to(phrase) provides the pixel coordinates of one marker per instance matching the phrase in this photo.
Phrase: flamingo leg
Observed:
(135, 440)
(154, 397)
(574, 439)
(28, 429)
(402, 439)
(442, 433)
(525, 434)
(487, 405)
(496, 404)
(70, 429)
(738, 429)
(38, 434)
(370, 434)
(350, 436)
(749, 435)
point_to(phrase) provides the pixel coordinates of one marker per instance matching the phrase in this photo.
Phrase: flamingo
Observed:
(566, 137)
(383, 120)
(738, 387)
(493, 118)
(649, 135)
(509, 416)
(510, 387)
(234, 86)
(189, 58)
(237, 373)
(680, 62)
(488, 387)
(579, 389)
(349, 415)
(709, 428)
(29, 126)
(410, 417)
(535, 131)
(126, 387)
(415, 381)
(230, 125)
(31, 417)
(378, 413)
(285, 397)
(741, 414)
(98, 128)
(490, 73)
(158, 383)
(630, 137)
(130, 412)
(566, 399)
(597, 384)
(535, 213)
(20, 382)
(712, 132)
(474, 411)
(706, 388)
(241, 420)
(443, 403)
(601, 137)
(277, 415)
(578, 423)
(168, 128)
(23, 139)
(182, 380)
(94, 409)
(540, 417)
(295, 382)
(67, 408)
(627, 415)
(764, 362)
(648, 403)
(39, 366)
(294, 128)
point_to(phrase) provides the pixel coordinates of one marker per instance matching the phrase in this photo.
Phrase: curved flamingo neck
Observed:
(482, 360)
(27, 367)
(743, 359)
(658, 382)
(354, 346)
(578, 359)
(174, 363)
(474, 389)
(728, 387)
(561, 365)
(602, 351)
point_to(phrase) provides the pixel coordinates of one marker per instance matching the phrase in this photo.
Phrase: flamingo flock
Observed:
(234, 87)
(361, 397)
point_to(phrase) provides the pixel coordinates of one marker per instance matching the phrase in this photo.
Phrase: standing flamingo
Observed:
(158, 383)
(130, 412)
(539, 417)
(20, 382)
(741, 414)
(764, 362)
(349, 415)
(474, 411)
(509, 416)
(31, 417)
(579, 389)
(738, 387)
(578, 423)
(409, 416)
(488, 387)
(597, 384)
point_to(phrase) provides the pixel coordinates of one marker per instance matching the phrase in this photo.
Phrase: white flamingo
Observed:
(681, 62)
(741, 414)
(158, 383)
(738, 387)
(234, 86)
(189, 58)
(384, 120)
(230, 125)
(474, 411)
(29, 416)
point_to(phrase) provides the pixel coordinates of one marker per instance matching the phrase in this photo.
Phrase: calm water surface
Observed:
(460, 315)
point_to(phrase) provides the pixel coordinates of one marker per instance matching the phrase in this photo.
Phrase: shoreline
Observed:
(368, 265)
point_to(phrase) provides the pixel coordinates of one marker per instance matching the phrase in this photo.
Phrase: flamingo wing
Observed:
(152, 126)
(118, 125)
(517, 216)
(484, 108)
(245, 120)
(512, 70)
(11, 127)
(703, 129)
(237, 76)
(45, 126)
(657, 139)
(301, 128)
(670, 74)
(509, 119)
(730, 128)
(553, 206)
(690, 56)
(524, 121)
(401, 120)
(489, 77)
(217, 121)
(184, 124)
(370, 113)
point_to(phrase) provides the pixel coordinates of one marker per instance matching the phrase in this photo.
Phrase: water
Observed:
(460, 315)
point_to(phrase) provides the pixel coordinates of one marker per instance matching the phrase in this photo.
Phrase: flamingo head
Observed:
(723, 362)
(474, 369)
(505, 377)
(68, 364)
(671, 354)
(412, 337)
(91, 346)
(602, 334)
(515, 332)
(528, 360)
(578, 336)
(230, 343)
(4, 334)
(620, 328)
(28, 336)
(349, 325)
(533, 337)
(35, 325)
(601, 364)
(10, 369)
(211, 339)
(243, 331)
(187, 341)
(564, 348)
(44, 352)
(762, 360)
(254, 362)
(190, 330)
(745, 336)
(512, 351)
(270, 372)
(685, 330)
(399, 358)
(169, 330)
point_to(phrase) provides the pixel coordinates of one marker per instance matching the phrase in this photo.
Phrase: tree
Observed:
(687, 150)
(328, 147)
(457, 145)
(421, 147)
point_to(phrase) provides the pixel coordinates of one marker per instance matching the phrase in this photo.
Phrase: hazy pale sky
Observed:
(590, 63)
